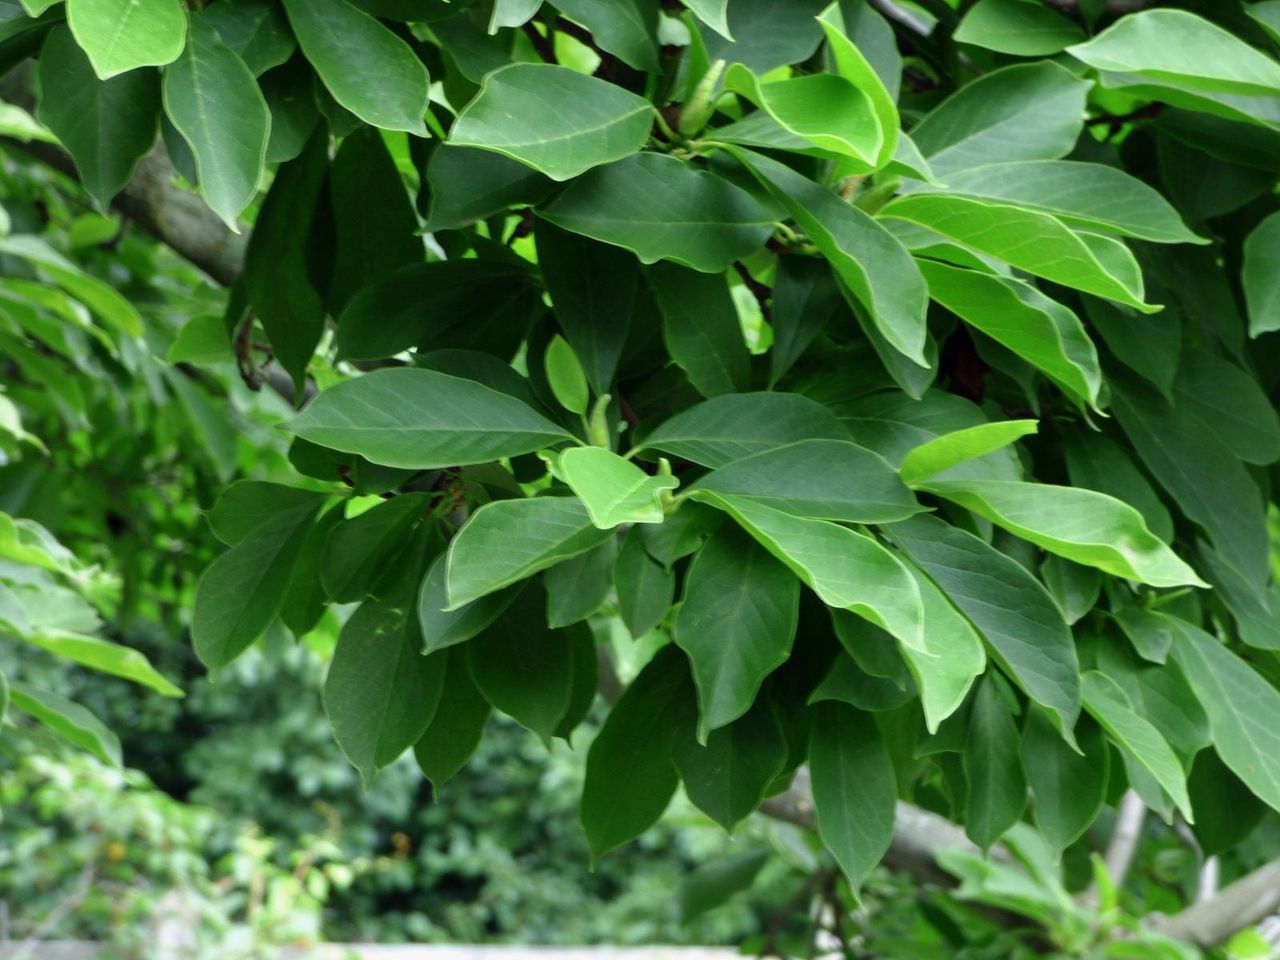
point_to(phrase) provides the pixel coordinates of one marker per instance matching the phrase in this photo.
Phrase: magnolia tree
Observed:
(898, 375)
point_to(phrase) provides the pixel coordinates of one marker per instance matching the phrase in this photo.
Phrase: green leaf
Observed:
(1261, 275)
(1110, 706)
(593, 289)
(374, 223)
(512, 13)
(578, 587)
(661, 208)
(565, 377)
(805, 299)
(644, 586)
(103, 656)
(1014, 613)
(953, 655)
(845, 568)
(1023, 28)
(519, 114)
(996, 789)
(276, 269)
(1018, 316)
(854, 790)
(736, 621)
(1093, 196)
(857, 70)
(847, 682)
(1081, 525)
(467, 184)
(1160, 693)
(728, 428)
(713, 13)
(381, 692)
(100, 297)
(766, 35)
(1243, 709)
(457, 726)
(1099, 463)
(390, 88)
(509, 540)
(305, 600)
(68, 720)
(523, 668)
(728, 776)
(257, 30)
(1178, 47)
(701, 330)
(875, 267)
(818, 479)
(1029, 240)
(242, 591)
(628, 29)
(942, 453)
(1230, 403)
(1032, 111)
(106, 125)
(246, 505)
(443, 627)
(213, 99)
(415, 419)
(121, 35)
(358, 549)
(1067, 789)
(711, 884)
(613, 490)
(631, 775)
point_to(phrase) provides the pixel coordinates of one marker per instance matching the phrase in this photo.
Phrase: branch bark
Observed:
(1248, 901)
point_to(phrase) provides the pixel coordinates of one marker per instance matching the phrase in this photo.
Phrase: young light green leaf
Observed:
(953, 655)
(104, 300)
(942, 453)
(421, 419)
(519, 114)
(213, 99)
(845, 568)
(1023, 627)
(457, 726)
(1261, 276)
(1067, 789)
(736, 622)
(727, 777)
(106, 125)
(875, 267)
(662, 208)
(854, 790)
(701, 330)
(1032, 111)
(1015, 314)
(1110, 706)
(1243, 709)
(68, 720)
(818, 479)
(995, 786)
(1029, 240)
(614, 490)
(858, 71)
(1082, 525)
(1089, 195)
(508, 540)
(564, 375)
(1178, 47)
(390, 88)
(104, 656)
(1023, 28)
(728, 428)
(121, 35)
(631, 775)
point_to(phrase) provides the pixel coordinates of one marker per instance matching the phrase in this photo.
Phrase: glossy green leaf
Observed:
(106, 125)
(458, 725)
(1068, 789)
(644, 586)
(819, 479)
(727, 777)
(952, 658)
(854, 790)
(1029, 111)
(736, 622)
(728, 428)
(942, 453)
(1023, 627)
(613, 490)
(257, 30)
(1082, 525)
(565, 377)
(509, 540)
(626, 28)
(1015, 314)
(662, 208)
(845, 568)
(68, 720)
(701, 330)
(631, 775)
(996, 788)
(213, 99)
(578, 587)
(1179, 47)
(121, 35)
(467, 184)
(518, 113)
(1110, 706)
(1261, 276)
(421, 419)
(854, 67)
(714, 13)
(512, 13)
(1024, 28)
(1160, 693)
(390, 89)
(442, 627)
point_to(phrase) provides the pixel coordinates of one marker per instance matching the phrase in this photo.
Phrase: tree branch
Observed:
(1248, 901)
